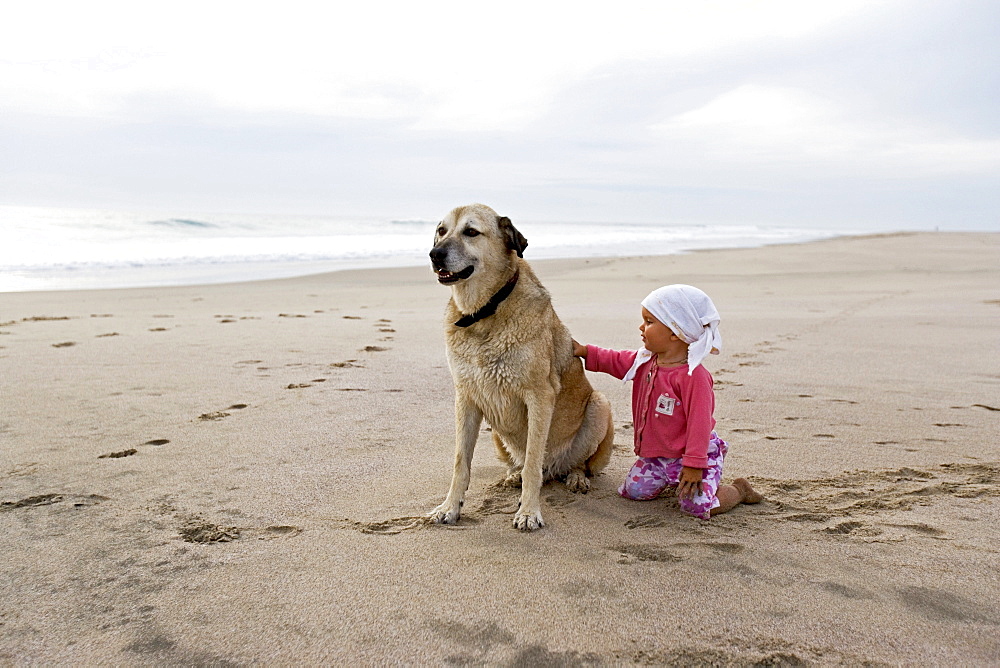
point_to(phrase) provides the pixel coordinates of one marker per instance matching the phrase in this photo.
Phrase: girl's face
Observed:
(657, 337)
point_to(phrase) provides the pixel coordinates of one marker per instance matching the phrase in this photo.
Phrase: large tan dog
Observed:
(512, 363)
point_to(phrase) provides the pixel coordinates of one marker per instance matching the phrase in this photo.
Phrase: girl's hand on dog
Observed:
(579, 350)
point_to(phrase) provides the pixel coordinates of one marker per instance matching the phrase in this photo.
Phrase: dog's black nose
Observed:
(438, 254)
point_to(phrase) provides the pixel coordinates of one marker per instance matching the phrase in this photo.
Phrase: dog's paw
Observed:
(577, 482)
(513, 479)
(446, 513)
(528, 521)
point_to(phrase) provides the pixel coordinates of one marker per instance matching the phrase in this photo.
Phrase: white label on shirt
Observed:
(665, 405)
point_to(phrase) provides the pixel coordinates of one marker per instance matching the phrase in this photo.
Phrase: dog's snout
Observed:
(438, 254)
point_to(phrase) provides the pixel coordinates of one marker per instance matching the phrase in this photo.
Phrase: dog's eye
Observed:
(441, 231)
(469, 232)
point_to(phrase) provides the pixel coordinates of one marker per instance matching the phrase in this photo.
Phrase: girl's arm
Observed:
(614, 362)
(579, 350)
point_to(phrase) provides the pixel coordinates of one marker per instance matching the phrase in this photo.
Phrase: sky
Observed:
(860, 114)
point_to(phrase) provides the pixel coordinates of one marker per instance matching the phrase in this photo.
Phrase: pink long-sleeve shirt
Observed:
(672, 412)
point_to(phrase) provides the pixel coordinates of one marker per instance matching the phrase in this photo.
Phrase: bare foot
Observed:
(746, 491)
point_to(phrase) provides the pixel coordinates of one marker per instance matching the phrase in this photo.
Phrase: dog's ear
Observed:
(515, 240)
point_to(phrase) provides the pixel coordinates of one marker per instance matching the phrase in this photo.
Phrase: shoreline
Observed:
(172, 275)
(235, 473)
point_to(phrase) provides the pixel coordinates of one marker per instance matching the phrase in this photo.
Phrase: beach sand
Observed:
(235, 474)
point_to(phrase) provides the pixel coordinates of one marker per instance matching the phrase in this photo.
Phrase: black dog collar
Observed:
(491, 306)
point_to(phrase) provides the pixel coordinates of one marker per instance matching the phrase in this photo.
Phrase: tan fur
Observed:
(516, 369)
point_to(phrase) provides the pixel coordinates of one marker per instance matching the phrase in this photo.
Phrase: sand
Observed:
(235, 474)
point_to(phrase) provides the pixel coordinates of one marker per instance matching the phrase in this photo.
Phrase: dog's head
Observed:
(470, 238)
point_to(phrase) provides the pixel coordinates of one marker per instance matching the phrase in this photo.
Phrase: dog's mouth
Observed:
(445, 277)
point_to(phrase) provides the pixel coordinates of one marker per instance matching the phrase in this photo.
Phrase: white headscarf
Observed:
(691, 315)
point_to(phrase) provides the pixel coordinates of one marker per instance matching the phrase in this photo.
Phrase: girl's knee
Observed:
(645, 480)
(700, 506)
(643, 490)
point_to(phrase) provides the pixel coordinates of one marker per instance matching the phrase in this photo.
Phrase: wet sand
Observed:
(236, 474)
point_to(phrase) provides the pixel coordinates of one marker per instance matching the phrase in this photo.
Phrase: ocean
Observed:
(74, 249)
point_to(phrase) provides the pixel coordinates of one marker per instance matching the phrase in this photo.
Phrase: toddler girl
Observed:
(673, 402)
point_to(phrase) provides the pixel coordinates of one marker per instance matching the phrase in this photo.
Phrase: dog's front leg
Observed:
(541, 403)
(468, 417)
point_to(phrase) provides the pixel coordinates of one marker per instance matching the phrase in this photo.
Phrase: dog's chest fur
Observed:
(501, 366)
(495, 362)
(494, 379)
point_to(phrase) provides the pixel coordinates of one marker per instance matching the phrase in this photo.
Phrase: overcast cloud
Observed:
(880, 114)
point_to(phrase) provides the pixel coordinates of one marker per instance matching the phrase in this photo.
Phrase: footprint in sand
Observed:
(197, 530)
(64, 344)
(79, 501)
(219, 415)
(631, 554)
(940, 605)
(373, 349)
(382, 324)
(725, 548)
(389, 527)
(920, 528)
(271, 532)
(856, 493)
(31, 502)
(299, 386)
(850, 528)
(646, 522)
(119, 455)
(846, 592)
(808, 517)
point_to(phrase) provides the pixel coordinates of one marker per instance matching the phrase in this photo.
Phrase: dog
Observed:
(512, 363)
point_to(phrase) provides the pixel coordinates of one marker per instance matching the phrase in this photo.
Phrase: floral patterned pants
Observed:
(649, 476)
